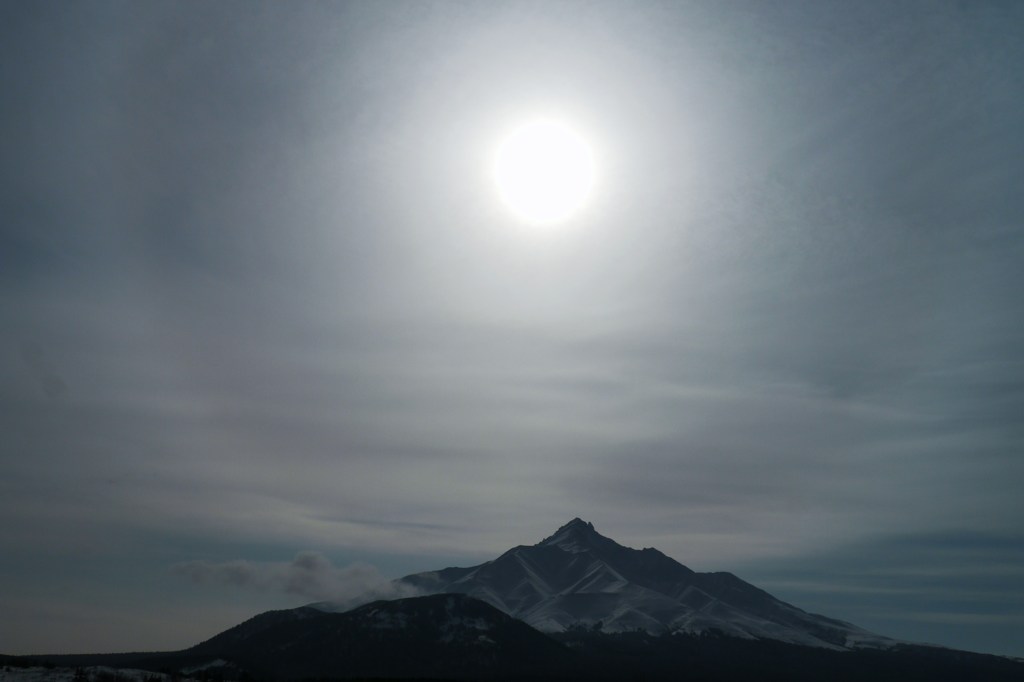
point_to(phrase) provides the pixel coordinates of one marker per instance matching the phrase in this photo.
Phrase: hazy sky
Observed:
(267, 334)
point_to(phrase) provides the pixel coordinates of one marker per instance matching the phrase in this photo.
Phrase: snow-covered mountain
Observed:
(579, 577)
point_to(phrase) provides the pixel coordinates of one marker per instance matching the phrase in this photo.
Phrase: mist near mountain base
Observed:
(310, 574)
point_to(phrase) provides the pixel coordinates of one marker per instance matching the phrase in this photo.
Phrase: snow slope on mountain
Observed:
(578, 576)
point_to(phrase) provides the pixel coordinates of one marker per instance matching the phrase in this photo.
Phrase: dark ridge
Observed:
(713, 656)
(347, 646)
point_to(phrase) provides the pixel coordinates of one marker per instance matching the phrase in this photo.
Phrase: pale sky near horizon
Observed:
(269, 336)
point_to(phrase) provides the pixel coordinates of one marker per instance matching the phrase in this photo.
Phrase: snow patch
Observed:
(85, 674)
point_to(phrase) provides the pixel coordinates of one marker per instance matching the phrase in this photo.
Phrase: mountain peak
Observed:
(577, 523)
(577, 535)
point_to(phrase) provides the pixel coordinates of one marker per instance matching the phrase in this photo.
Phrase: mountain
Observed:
(611, 613)
(578, 577)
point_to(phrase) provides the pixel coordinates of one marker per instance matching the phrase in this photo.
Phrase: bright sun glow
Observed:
(544, 171)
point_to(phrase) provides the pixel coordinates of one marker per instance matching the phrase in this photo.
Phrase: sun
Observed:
(544, 171)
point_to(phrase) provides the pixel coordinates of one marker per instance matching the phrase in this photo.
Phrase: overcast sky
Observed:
(268, 336)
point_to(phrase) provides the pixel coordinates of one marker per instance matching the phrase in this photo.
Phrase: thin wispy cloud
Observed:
(310, 575)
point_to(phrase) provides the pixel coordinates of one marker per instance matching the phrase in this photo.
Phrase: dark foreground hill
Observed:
(448, 636)
(442, 636)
